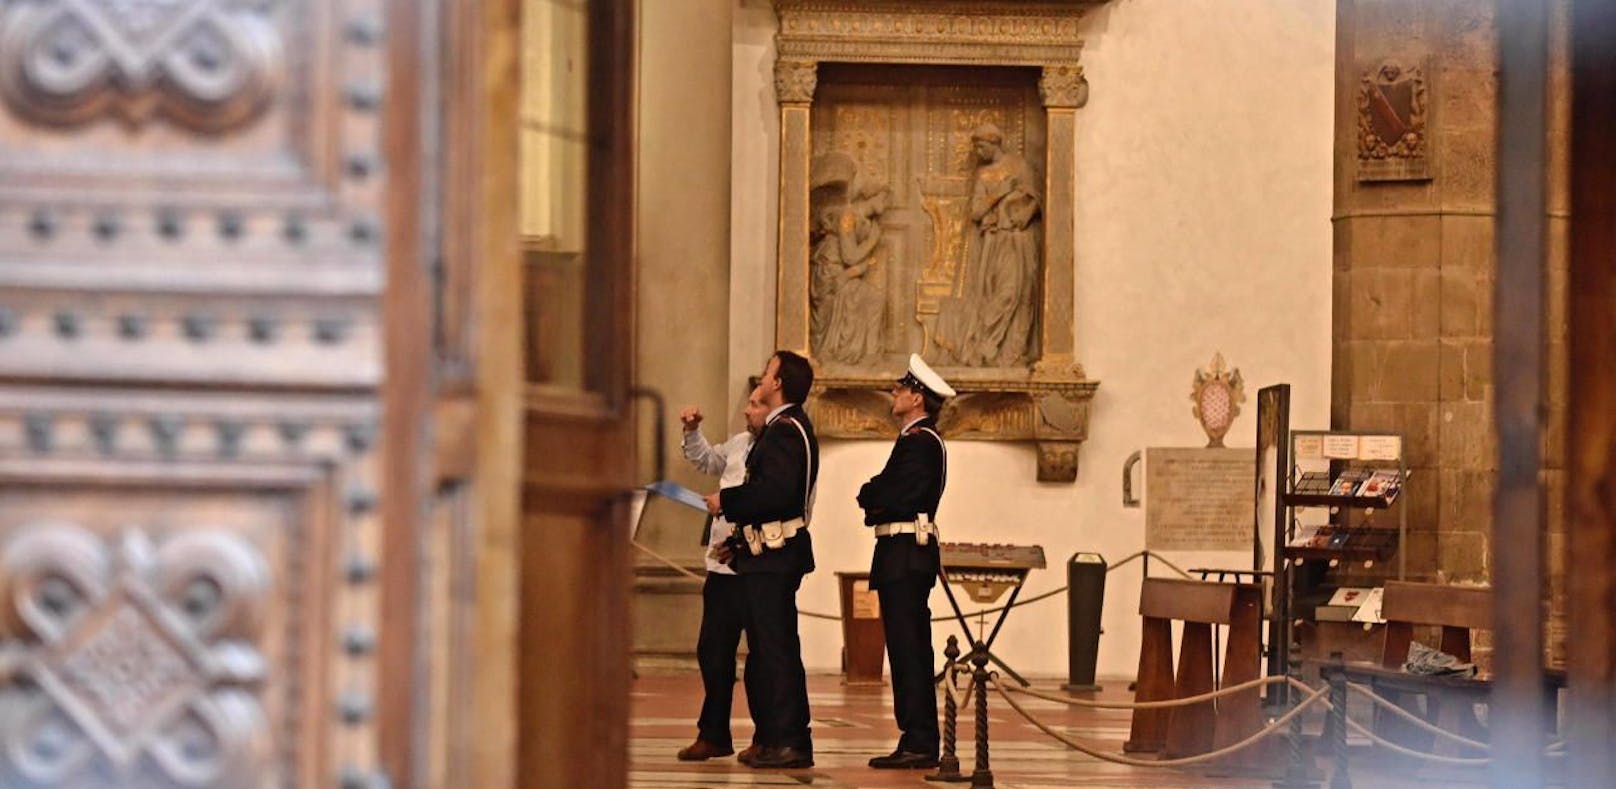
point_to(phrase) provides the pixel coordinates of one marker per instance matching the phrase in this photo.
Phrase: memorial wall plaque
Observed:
(1198, 499)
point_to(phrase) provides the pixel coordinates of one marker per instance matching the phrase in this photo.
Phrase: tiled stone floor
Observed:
(851, 724)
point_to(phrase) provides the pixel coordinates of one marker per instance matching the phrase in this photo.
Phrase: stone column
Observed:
(1414, 270)
(682, 301)
(794, 83)
(1064, 90)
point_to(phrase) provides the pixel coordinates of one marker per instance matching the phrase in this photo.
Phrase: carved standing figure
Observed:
(990, 323)
(845, 302)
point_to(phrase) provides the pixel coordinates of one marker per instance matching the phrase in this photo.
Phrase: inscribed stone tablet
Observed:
(1199, 499)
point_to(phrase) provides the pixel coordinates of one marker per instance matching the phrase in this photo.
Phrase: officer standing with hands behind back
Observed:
(900, 504)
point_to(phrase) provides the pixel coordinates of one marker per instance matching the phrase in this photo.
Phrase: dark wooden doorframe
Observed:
(1591, 425)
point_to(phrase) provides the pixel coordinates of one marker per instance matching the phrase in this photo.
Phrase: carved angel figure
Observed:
(845, 300)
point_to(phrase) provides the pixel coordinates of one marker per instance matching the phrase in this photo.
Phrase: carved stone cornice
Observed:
(942, 31)
(795, 80)
(1054, 414)
(1063, 85)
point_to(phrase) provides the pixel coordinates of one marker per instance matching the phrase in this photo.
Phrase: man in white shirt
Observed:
(723, 601)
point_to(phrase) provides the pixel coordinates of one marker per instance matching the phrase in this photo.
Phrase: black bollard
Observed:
(948, 764)
(1085, 600)
(982, 777)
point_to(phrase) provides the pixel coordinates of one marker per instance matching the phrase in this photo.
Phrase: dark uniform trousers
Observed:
(782, 705)
(906, 618)
(724, 616)
(902, 572)
(780, 471)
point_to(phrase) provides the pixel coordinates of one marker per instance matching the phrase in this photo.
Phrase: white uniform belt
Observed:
(923, 529)
(772, 535)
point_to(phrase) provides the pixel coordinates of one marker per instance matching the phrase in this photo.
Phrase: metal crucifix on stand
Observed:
(985, 572)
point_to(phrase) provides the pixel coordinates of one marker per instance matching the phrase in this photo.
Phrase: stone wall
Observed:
(1414, 268)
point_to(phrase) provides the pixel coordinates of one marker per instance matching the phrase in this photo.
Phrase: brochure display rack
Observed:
(1342, 499)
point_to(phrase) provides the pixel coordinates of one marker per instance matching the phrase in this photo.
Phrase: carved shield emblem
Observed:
(1217, 394)
(1393, 143)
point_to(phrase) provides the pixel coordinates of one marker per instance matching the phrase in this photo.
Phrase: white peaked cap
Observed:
(921, 373)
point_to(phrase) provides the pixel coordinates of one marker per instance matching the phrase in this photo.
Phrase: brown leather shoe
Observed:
(749, 753)
(782, 758)
(702, 750)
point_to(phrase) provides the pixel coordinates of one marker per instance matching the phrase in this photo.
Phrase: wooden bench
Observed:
(1201, 727)
(1449, 700)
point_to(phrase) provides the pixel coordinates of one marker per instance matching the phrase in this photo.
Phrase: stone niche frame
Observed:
(1049, 403)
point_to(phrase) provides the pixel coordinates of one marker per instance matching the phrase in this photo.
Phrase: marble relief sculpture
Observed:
(989, 323)
(846, 299)
(926, 197)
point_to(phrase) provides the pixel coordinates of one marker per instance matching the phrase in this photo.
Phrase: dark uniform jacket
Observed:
(911, 485)
(777, 469)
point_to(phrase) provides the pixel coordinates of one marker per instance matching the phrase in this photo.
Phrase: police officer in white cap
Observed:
(900, 504)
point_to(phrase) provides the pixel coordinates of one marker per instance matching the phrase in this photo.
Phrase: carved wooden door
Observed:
(192, 294)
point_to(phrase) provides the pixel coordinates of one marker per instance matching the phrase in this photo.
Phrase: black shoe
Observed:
(905, 760)
(780, 757)
(748, 754)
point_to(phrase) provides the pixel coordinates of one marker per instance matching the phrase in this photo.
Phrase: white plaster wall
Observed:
(1203, 205)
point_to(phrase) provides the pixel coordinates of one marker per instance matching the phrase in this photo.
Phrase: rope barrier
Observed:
(1415, 719)
(688, 573)
(1051, 593)
(1153, 705)
(1316, 697)
(963, 699)
(1553, 749)
(685, 571)
(1410, 752)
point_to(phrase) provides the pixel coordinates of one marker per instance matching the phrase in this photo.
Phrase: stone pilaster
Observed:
(1064, 90)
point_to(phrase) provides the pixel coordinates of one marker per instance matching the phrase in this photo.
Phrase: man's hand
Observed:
(713, 506)
(691, 417)
(723, 553)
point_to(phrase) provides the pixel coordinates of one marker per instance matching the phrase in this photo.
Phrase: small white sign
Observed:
(1380, 448)
(866, 604)
(1309, 446)
(1341, 447)
(1369, 612)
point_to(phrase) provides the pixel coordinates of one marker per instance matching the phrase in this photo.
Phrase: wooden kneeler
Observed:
(1204, 726)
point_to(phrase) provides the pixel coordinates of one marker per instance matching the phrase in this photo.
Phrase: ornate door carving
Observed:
(191, 281)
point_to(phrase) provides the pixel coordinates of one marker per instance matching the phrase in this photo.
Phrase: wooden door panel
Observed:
(192, 227)
(233, 574)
